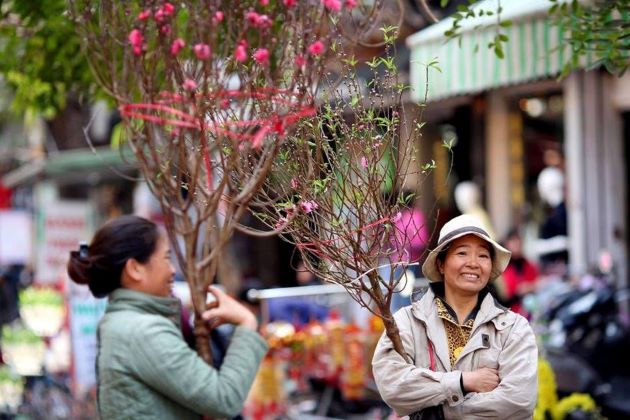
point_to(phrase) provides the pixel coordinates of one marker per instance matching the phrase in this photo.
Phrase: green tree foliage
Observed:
(598, 31)
(41, 56)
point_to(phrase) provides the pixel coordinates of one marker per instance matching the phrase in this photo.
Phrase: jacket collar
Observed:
(123, 299)
(426, 311)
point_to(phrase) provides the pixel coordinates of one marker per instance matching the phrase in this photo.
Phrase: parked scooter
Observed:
(586, 342)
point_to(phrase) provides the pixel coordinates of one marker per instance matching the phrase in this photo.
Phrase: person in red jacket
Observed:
(520, 276)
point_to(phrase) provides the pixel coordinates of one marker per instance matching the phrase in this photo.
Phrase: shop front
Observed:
(519, 119)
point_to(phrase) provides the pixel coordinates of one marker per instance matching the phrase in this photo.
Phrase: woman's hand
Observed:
(480, 380)
(228, 310)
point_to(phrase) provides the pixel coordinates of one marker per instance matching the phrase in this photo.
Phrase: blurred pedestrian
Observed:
(520, 276)
(144, 367)
(552, 245)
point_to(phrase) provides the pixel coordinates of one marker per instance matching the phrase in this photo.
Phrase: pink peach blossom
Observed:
(218, 17)
(316, 48)
(289, 3)
(189, 84)
(364, 162)
(165, 11)
(264, 2)
(351, 4)
(300, 60)
(202, 51)
(165, 29)
(136, 40)
(252, 18)
(240, 53)
(144, 15)
(261, 55)
(334, 5)
(308, 206)
(177, 46)
(281, 222)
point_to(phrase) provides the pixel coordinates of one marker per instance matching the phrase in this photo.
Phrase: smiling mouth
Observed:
(471, 276)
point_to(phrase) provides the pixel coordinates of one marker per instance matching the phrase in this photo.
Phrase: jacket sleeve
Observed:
(515, 397)
(404, 386)
(165, 363)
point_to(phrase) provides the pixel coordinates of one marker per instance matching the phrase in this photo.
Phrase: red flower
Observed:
(316, 48)
(261, 55)
(202, 51)
(144, 15)
(177, 45)
(189, 84)
(332, 4)
(240, 54)
(136, 40)
(300, 60)
(289, 3)
(351, 4)
(165, 11)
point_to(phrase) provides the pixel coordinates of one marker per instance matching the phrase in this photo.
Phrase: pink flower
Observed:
(165, 29)
(165, 11)
(316, 48)
(289, 3)
(263, 22)
(308, 206)
(364, 162)
(332, 4)
(281, 222)
(300, 60)
(351, 4)
(177, 45)
(136, 40)
(294, 183)
(144, 15)
(261, 55)
(225, 103)
(258, 21)
(189, 84)
(252, 18)
(240, 53)
(218, 17)
(202, 51)
(264, 2)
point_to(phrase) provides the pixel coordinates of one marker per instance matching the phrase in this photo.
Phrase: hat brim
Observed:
(499, 262)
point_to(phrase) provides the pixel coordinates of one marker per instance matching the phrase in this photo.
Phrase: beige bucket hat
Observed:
(456, 228)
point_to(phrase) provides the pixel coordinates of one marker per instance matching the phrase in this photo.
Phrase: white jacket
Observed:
(500, 339)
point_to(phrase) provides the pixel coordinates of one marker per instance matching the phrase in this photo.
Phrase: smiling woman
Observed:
(471, 357)
(145, 369)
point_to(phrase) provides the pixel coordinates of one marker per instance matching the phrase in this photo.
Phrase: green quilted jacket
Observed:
(146, 371)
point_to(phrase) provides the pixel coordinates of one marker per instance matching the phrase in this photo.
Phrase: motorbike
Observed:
(586, 342)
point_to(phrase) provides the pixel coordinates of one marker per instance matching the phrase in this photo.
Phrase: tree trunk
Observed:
(391, 329)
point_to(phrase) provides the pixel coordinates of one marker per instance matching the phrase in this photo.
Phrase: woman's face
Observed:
(159, 272)
(467, 265)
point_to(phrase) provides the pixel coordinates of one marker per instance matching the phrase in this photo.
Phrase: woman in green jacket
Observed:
(145, 369)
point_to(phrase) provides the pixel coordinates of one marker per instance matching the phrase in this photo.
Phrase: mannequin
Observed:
(552, 245)
(468, 201)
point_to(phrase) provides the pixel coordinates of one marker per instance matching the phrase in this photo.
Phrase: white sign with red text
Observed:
(62, 226)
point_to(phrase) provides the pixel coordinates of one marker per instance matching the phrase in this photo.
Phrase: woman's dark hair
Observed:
(116, 242)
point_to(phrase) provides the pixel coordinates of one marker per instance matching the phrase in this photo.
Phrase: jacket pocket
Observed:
(487, 357)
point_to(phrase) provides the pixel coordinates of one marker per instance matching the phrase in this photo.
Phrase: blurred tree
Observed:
(44, 68)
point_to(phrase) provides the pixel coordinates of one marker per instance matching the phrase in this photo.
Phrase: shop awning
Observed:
(530, 53)
(74, 164)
